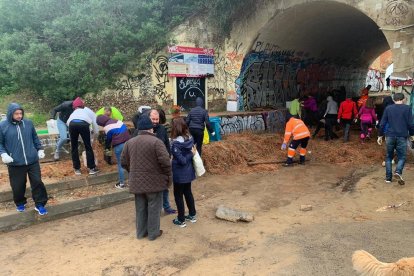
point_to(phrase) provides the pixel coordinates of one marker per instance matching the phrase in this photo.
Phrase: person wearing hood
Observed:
(116, 134)
(79, 123)
(297, 129)
(347, 112)
(20, 150)
(183, 150)
(330, 116)
(149, 166)
(64, 109)
(197, 120)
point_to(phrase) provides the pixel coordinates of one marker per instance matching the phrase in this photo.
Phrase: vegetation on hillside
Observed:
(59, 49)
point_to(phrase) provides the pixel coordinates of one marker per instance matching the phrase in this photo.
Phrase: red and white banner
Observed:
(191, 50)
(400, 82)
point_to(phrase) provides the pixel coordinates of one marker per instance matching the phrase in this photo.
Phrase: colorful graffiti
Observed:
(227, 68)
(375, 80)
(270, 76)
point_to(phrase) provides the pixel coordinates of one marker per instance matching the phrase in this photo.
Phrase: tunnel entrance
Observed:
(311, 48)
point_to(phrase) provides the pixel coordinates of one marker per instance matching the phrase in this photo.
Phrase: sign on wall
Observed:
(188, 90)
(190, 62)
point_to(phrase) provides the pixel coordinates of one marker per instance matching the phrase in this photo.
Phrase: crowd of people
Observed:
(391, 117)
(152, 159)
(155, 160)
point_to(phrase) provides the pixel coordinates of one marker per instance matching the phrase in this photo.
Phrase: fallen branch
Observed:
(393, 206)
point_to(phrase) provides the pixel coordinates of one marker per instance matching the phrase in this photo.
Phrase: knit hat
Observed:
(144, 123)
(78, 103)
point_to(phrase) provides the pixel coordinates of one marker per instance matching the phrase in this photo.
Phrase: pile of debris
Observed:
(233, 154)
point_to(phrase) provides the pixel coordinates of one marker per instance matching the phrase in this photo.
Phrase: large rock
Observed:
(233, 215)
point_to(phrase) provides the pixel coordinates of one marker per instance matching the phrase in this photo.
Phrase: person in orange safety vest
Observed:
(296, 128)
(364, 97)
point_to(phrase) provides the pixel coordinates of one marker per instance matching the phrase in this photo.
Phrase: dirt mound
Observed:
(231, 155)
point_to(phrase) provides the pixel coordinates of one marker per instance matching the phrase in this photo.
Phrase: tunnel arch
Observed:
(309, 48)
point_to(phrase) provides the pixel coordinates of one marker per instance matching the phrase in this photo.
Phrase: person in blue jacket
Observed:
(182, 151)
(197, 120)
(20, 150)
(397, 125)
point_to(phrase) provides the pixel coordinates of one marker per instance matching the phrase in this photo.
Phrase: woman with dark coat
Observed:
(182, 150)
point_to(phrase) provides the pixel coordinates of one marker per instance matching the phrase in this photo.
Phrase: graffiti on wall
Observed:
(271, 121)
(238, 124)
(270, 76)
(160, 68)
(375, 80)
(275, 120)
(149, 90)
(397, 11)
(227, 68)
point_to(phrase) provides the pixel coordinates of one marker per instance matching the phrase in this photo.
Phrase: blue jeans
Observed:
(63, 134)
(118, 150)
(165, 200)
(399, 144)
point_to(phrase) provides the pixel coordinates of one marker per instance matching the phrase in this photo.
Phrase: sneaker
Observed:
(41, 210)
(93, 171)
(179, 223)
(78, 172)
(120, 186)
(400, 179)
(56, 156)
(193, 219)
(388, 180)
(20, 208)
(170, 211)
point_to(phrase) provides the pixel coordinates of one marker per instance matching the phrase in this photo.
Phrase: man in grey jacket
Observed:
(20, 150)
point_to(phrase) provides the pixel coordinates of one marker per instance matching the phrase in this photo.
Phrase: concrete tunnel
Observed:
(309, 48)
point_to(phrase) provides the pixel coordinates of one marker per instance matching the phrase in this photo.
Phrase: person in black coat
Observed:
(161, 133)
(196, 120)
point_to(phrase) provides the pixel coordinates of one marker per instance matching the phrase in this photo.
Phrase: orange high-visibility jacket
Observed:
(297, 128)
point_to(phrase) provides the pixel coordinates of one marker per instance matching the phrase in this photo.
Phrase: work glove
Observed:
(379, 140)
(108, 152)
(6, 158)
(213, 133)
(339, 121)
(283, 147)
(41, 154)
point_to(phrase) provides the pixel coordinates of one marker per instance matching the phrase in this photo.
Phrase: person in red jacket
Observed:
(346, 113)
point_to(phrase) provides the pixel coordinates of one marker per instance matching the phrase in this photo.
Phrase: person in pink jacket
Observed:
(367, 117)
